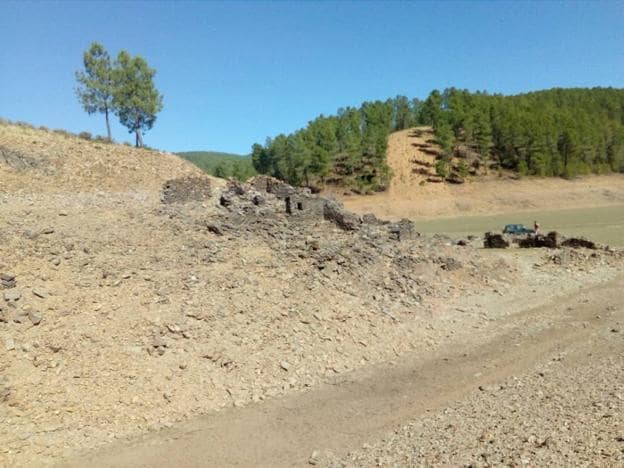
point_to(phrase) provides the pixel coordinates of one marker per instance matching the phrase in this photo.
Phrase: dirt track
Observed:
(365, 405)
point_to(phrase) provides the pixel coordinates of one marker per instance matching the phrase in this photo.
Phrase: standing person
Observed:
(536, 227)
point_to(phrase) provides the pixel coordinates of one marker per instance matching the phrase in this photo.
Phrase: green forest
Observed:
(221, 164)
(347, 149)
(556, 132)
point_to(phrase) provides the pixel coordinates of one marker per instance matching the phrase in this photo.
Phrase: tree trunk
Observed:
(108, 130)
(139, 137)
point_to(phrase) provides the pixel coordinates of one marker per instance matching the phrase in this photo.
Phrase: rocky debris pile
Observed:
(576, 242)
(339, 250)
(185, 189)
(402, 230)
(267, 196)
(271, 208)
(495, 241)
(335, 212)
(550, 241)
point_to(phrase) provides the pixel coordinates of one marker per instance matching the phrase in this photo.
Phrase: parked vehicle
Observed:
(517, 229)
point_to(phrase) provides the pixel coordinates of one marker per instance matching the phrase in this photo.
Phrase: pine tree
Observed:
(95, 83)
(135, 98)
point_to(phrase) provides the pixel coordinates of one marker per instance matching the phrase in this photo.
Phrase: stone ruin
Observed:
(266, 196)
(185, 189)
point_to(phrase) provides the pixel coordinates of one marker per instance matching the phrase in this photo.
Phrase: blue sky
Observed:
(234, 73)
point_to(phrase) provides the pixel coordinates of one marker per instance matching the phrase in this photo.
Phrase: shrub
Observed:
(85, 136)
(441, 168)
(523, 168)
(65, 133)
(19, 123)
(101, 139)
(462, 169)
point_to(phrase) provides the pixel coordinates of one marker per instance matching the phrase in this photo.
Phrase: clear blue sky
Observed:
(234, 73)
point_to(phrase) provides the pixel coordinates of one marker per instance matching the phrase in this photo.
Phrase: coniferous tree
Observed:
(135, 98)
(95, 83)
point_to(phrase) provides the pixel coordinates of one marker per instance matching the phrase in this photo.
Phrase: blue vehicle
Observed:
(517, 229)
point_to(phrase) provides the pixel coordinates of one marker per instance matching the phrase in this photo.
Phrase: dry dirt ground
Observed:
(410, 196)
(137, 333)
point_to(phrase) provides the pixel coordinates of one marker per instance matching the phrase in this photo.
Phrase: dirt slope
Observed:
(33, 160)
(410, 195)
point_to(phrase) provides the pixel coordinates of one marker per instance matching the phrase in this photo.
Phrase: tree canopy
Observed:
(557, 132)
(95, 83)
(125, 87)
(136, 99)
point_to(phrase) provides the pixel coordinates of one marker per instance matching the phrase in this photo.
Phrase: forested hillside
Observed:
(557, 132)
(221, 164)
(348, 149)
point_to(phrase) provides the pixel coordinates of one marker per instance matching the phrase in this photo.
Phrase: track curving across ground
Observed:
(364, 406)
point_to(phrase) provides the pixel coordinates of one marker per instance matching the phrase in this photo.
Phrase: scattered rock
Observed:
(35, 317)
(39, 293)
(9, 344)
(12, 295)
(215, 229)
(7, 280)
(314, 458)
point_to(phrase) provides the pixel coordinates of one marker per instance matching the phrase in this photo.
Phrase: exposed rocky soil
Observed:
(567, 411)
(121, 314)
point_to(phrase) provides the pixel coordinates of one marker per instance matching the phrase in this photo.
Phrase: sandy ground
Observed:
(410, 196)
(136, 335)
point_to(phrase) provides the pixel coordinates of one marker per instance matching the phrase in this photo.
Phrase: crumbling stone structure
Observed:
(186, 189)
